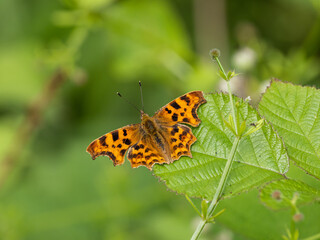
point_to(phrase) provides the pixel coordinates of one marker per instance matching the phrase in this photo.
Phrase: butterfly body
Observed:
(158, 139)
(153, 133)
(148, 125)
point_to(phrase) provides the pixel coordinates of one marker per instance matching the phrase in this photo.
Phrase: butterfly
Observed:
(159, 139)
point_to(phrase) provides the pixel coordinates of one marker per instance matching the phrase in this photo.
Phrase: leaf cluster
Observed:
(262, 159)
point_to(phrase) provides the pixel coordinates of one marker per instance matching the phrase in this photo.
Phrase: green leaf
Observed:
(287, 188)
(259, 158)
(294, 112)
(222, 75)
(247, 217)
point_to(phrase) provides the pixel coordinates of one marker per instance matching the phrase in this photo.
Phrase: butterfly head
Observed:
(144, 116)
(147, 123)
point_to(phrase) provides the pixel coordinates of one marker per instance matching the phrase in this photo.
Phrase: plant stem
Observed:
(219, 190)
(232, 108)
(230, 94)
(30, 124)
(199, 229)
(224, 177)
(226, 171)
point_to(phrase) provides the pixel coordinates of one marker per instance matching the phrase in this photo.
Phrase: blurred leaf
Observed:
(169, 32)
(294, 112)
(134, 40)
(287, 188)
(260, 157)
(246, 216)
(93, 3)
(20, 79)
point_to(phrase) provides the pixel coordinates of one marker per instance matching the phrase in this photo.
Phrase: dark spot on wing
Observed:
(174, 130)
(136, 147)
(110, 154)
(126, 141)
(185, 98)
(175, 105)
(182, 136)
(168, 110)
(147, 150)
(122, 152)
(182, 114)
(154, 160)
(174, 117)
(124, 132)
(102, 140)
(115, 135)
(193, 111)
(119, 145)
(185, 120)
(173, 140)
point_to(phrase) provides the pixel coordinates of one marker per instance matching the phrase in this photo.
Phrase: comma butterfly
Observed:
(158, 139)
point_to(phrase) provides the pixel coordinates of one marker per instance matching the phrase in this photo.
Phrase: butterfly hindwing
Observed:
(115, 144)
(182, 110)
(181, 139)
(146, 154)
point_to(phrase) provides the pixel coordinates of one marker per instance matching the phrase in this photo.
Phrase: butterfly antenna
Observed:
(128, 101)
(141, 96)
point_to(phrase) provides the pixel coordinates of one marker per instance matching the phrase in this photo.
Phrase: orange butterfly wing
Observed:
(145, 153)
(115, 144)
(182, 110)
(181, 139)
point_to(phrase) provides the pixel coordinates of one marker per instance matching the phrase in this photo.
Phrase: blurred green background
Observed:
(50, 187)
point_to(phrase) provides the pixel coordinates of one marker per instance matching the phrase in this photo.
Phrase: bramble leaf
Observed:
(294, 112)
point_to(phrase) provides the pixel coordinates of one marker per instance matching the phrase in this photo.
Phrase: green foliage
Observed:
(260, 157)
(277, 194)
(294, 111)
(56, 192)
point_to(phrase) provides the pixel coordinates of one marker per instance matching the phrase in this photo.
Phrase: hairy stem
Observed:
(219, 190)
(230, 95)
(232, 108)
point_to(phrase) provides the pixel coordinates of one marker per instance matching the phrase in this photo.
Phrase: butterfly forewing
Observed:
(115, 144)
(182, 109)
